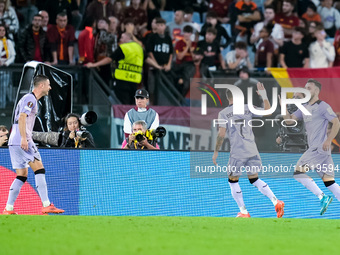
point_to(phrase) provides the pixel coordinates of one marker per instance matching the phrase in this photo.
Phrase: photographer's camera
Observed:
(151, 134)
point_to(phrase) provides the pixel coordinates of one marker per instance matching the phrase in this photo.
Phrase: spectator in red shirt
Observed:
(33, 42)
(138, 14)
(86, 42)
(185, 47)
(287, 19)
(221, 8)
(265, 50)
(70, 7)
(61, 39)
(45, 19)
(311, 13)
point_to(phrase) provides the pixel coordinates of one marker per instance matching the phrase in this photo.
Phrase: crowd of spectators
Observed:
(230, 34)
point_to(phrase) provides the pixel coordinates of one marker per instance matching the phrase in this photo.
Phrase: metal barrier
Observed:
(165, 92)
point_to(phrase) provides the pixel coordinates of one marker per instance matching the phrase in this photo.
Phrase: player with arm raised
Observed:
(318, 156)
(243, 153)
(23, 151)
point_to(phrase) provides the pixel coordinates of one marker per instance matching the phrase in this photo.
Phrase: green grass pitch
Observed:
(76, 235)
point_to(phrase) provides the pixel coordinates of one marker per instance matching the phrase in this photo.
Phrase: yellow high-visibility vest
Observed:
(131, 67)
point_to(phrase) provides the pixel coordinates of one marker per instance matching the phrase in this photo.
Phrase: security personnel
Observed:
(128, 74)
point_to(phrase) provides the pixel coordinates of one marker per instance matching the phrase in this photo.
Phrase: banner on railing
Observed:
(328, 77)
(176, 120)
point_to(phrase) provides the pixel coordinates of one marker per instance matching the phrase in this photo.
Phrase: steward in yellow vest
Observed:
(131, 67)
(130, 58)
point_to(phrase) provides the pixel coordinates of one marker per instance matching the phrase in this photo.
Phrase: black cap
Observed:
(142, 93)
(244, 69)
(198, 51)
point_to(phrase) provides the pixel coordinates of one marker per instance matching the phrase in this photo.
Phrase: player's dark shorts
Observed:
(21, 158)
(318, 160)
(250, 166)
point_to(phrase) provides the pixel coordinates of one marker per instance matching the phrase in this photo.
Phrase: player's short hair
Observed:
(140, 122)
(211, 30)
(3, 128)
(316, 83)
(39, 78)
(229, 94)
(188, 29)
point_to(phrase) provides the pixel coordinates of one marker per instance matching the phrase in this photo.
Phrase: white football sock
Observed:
(14, 191)
(309, 183)
(265, 190)
(236, 192)
(335, 189)
(40, 182)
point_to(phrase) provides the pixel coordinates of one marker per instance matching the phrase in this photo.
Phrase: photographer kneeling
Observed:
(74, 135)
(137, 140)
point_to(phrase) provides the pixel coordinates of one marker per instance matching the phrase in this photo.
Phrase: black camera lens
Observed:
(81, 134)
(160, 132)
(139, 137)
(292, 108)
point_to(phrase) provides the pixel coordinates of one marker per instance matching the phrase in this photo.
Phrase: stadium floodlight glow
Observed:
(238, 102)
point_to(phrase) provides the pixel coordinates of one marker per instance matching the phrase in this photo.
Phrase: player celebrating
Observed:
(22, 149)
(318, 156)
(243, 153)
